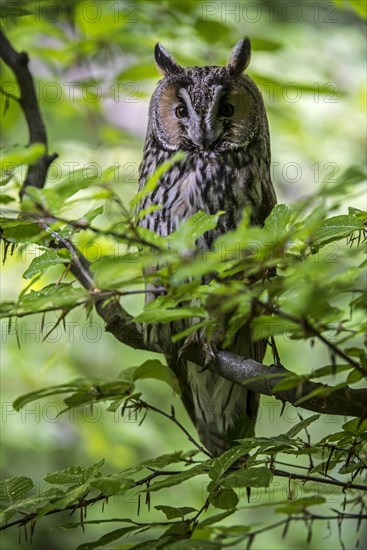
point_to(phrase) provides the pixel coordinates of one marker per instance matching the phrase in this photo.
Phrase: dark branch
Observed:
(82, 503)
(18, 62)
(257, 377)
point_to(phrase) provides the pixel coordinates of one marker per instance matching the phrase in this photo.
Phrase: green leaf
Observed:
(216, 518)
(299, 505)
(221, 464)
(16, 489)
(23, 400)
(264, 326)
(171, 512)
(152, 368)
(75, 474)
(109, 537)
(118, 271)
(248, 477)
(353, 467)
(46, 260)
(357, 426)
(354, 376)
(92, 214)
(336, 228)
(22, 155)
(277, 221)
(32, 503)
(54, 198)
(112, 485)
(159, 315)
(225, 499)
(176, 479)
(185, 236)
(5, 199)
(289, 382)
(20, 231)
(302, 425)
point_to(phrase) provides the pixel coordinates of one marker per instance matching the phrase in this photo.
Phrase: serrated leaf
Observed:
(52, 296)
(22, 155)
(31, 503)
(221, 464)
(277, 221)
(46, 260)
(265, 326)
(92, 214)
(176, 479)
(248, 477)
(17, 488)
(188, 231)
(160, 315)
(111, 485)
(357, 426)
(75, 474)
(152, 368)
(17, 231)
(336, 228)
(216, 518)
(225, 499)
(171, 512)
(353, 467)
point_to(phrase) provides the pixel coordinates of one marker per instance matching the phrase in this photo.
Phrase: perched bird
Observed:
(216, 116)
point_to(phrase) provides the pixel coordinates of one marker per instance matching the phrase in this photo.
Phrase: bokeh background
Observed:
(93, 64)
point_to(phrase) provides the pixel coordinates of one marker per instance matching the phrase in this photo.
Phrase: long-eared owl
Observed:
(216, 116)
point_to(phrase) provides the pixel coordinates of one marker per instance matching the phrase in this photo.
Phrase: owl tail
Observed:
(222, 411)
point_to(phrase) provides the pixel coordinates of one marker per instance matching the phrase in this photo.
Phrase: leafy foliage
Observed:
(318, 294)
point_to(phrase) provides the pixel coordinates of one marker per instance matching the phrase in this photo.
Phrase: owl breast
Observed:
(211, 183)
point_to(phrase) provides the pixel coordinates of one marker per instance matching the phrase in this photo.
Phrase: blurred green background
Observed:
(93, 64)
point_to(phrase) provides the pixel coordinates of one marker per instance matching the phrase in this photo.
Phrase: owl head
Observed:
(206, 109)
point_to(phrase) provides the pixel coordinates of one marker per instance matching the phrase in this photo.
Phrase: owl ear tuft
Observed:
(240, 56)
(166, 65)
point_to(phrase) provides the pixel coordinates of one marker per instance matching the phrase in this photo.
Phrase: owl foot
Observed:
(210, 356)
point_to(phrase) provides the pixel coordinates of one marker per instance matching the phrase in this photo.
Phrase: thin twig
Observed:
(325, 481)
(310, 329)
(175, 421)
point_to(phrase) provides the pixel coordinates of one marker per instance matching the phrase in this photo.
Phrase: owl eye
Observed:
(181, 111)
(226, 110)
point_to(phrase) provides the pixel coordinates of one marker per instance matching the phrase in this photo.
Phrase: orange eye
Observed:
(181, 111)
(226, 110)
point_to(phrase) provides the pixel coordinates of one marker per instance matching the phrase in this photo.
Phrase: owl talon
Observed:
(210, 356)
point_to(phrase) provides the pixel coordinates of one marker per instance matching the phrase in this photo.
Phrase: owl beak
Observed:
(203, 134)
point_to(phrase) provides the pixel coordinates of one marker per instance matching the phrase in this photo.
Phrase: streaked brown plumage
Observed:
(216, 115)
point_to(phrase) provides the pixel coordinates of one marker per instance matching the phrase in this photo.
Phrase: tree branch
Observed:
(255, 376)
(18, 63)
(82, 503)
